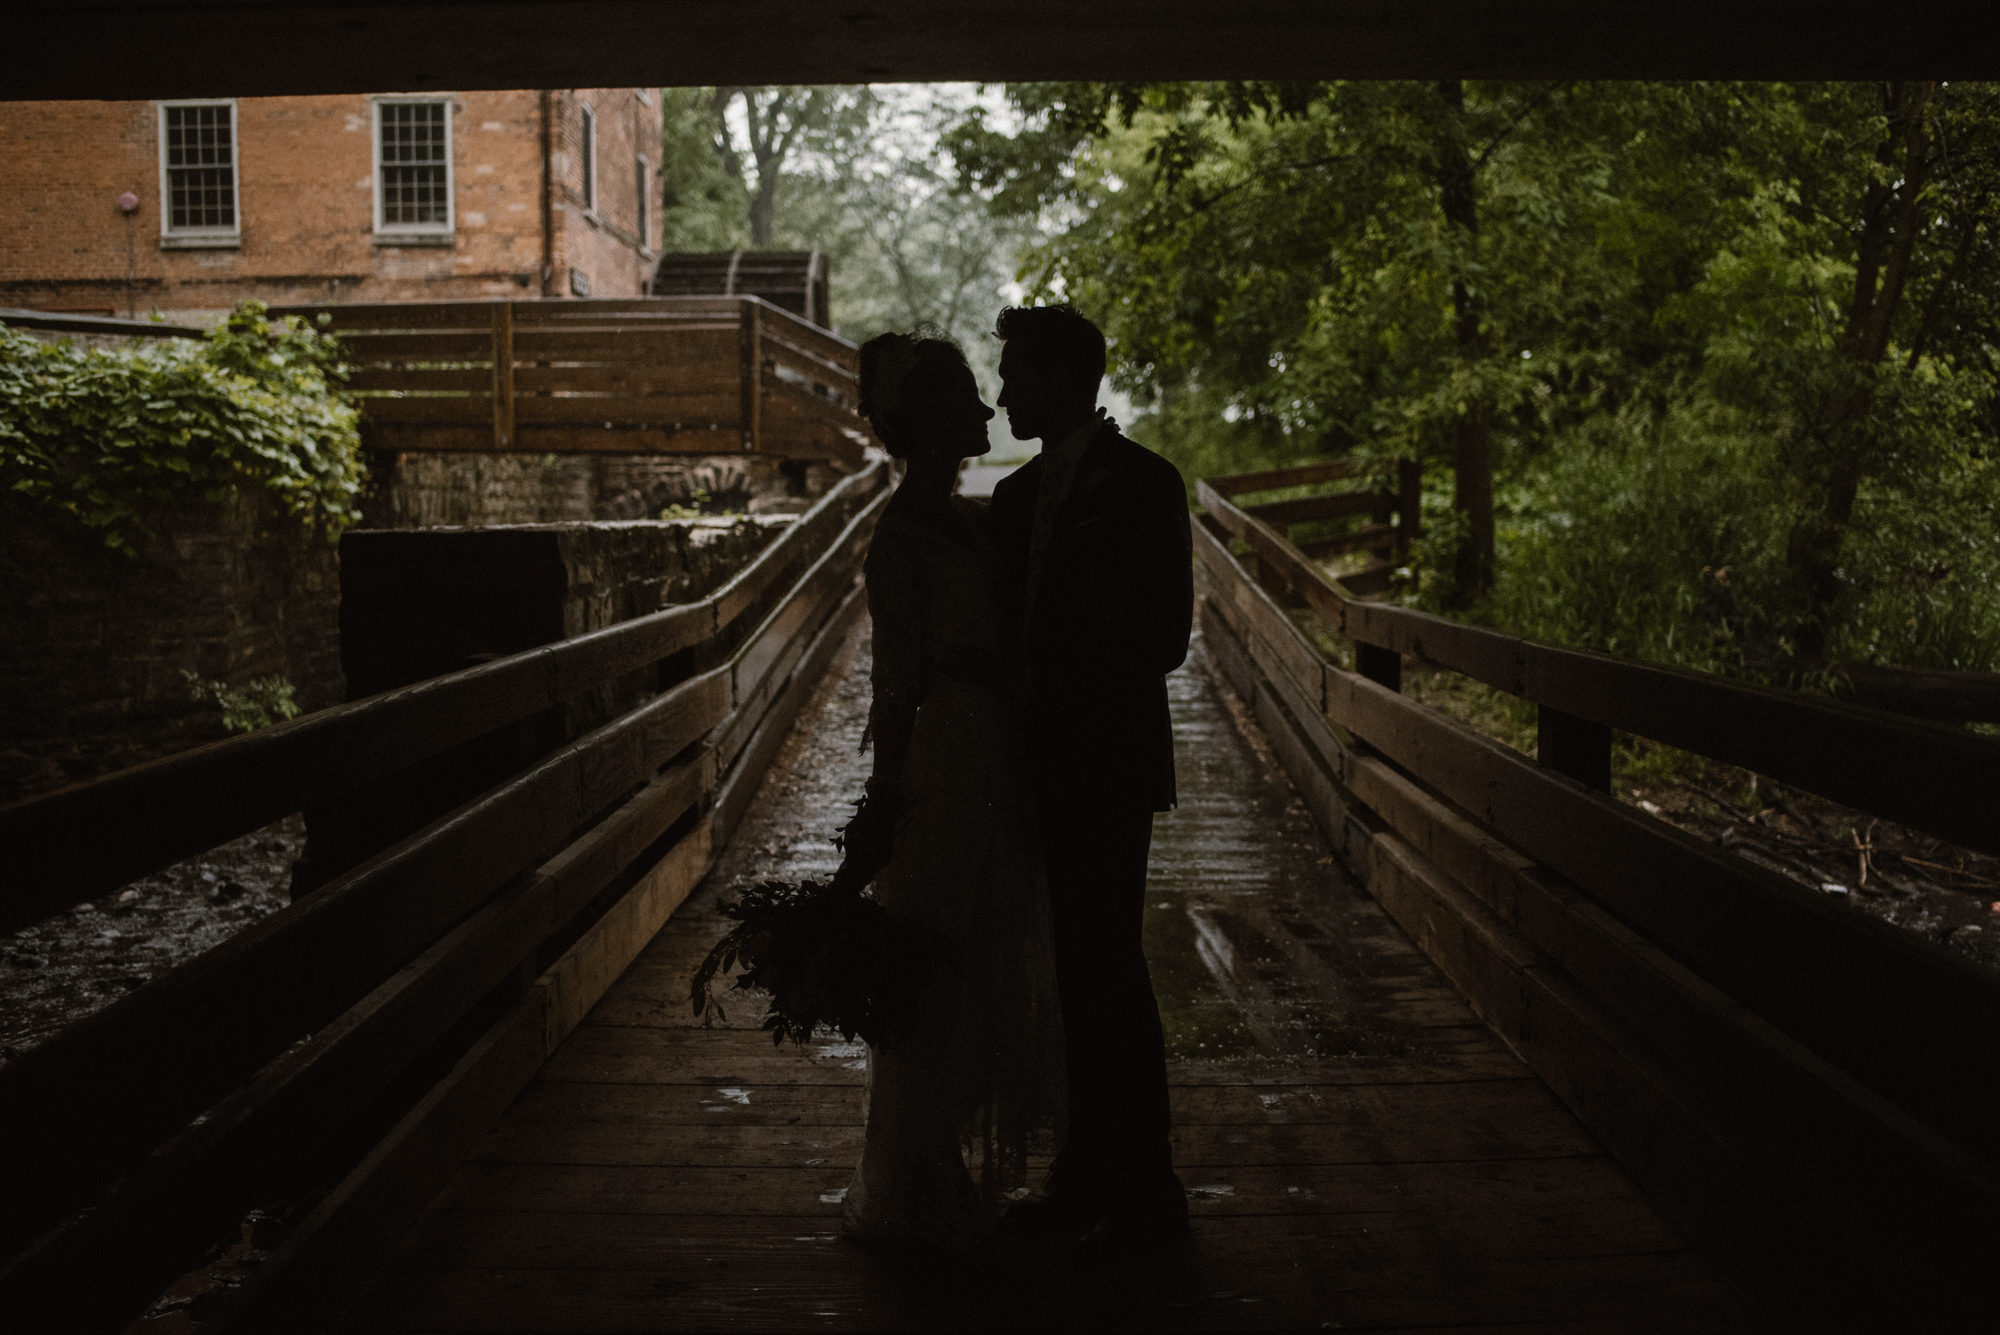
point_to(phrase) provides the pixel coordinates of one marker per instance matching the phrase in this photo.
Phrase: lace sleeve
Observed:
(896, 606)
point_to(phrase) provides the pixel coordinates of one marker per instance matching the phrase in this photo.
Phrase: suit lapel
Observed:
(1092, 474)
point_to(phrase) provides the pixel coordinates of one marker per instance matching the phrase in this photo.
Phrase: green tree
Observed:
(759, 128)
(1230, 233)
(1767, 309)
(866, 186)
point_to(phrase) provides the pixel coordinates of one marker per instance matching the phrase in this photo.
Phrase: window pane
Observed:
(589, 158)
(416, 152)
(201, 183)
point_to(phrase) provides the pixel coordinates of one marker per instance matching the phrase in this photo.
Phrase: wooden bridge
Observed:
(1460, 1041)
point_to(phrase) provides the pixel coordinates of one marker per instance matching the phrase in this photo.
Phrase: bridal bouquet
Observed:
(829, 956)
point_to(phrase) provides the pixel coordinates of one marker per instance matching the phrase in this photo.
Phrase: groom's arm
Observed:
(1165, 551)
(1131, 605)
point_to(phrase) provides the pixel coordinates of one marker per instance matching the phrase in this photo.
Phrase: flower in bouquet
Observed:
(829, 956)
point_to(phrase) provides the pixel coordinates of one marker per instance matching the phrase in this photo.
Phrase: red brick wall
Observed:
(603, 244)
(305, 186)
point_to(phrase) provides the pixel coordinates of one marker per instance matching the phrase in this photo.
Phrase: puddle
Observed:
(726, 1098)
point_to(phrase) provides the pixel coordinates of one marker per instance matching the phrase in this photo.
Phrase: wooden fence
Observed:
(675, 375)
(1394, 517)
(405, 1003)
(1812, 1093)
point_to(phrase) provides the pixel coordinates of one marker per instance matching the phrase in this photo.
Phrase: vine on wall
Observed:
(103, 436)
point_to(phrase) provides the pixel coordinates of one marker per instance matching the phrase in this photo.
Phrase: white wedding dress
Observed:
(977, 1074)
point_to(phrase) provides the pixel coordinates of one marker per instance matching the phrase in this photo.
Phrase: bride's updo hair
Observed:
(893, 367)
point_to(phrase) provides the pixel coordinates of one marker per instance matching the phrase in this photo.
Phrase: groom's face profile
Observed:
(1034, 393)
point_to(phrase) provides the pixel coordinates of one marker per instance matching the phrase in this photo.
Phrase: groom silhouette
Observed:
(1093, 538)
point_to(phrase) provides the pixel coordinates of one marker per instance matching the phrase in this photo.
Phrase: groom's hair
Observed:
(1056, 336)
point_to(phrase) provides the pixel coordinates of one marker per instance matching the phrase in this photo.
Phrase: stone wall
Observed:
(426, 489)
(417, 603)
(93, 644)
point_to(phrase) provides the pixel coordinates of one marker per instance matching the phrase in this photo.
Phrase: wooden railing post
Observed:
(1382, 507)
(750, 360)
(503, 375)
(1573, 746)
(1409, 505)
(1272, 580)
(1381, 666)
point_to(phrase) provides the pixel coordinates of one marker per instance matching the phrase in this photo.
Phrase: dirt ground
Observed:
(68, 966)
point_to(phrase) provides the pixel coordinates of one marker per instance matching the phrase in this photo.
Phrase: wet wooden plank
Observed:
(559, 1122)
(1362, 1270)
(660, 1175)
(587, 1241)
(356, 1227)
(648, 1054)
(1585, 1295)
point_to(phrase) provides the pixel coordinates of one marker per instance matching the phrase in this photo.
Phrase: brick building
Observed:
(189, 207)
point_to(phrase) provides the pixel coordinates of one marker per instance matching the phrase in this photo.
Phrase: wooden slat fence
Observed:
(677, 375)
(467, 950)
(1814, 1093)
(1393, 514)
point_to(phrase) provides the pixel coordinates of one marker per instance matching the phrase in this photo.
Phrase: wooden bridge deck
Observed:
(1361, 1151)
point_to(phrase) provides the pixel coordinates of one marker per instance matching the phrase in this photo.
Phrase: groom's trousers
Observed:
(1117, 1144)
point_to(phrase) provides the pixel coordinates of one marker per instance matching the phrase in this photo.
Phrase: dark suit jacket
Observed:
(1112, 617)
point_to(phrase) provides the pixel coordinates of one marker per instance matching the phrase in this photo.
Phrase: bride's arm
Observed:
(897, 679)
(895, 605)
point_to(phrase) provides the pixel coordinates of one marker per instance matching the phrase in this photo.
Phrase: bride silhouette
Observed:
(949, 818)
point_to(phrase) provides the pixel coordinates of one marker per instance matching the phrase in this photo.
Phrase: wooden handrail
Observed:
(175, 807)
(398, 925)
(1770, 943)
(1924, 775)
(1766, 1062)
(1330, 470)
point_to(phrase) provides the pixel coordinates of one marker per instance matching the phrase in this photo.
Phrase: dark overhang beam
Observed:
(117, 49)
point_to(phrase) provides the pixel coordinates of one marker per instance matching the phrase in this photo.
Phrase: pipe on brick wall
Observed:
(548, 193)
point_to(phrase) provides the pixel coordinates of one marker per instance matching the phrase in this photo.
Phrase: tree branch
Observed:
(1515, 124)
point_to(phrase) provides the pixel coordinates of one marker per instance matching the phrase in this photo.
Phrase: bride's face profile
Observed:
(942, 414)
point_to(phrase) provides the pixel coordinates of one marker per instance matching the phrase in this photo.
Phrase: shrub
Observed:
(1663, 539)
(103, 436)
(257, 704)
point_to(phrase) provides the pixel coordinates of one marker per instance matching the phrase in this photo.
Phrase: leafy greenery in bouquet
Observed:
(829, 956)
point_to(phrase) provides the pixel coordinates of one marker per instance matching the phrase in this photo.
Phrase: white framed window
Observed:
(413, 184)
(588, 152)
(198, 194)
(642, 176)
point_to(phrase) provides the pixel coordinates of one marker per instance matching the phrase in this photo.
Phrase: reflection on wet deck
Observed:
(1361, 1151)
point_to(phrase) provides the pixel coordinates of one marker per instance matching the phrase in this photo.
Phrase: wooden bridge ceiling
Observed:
(120, 49)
